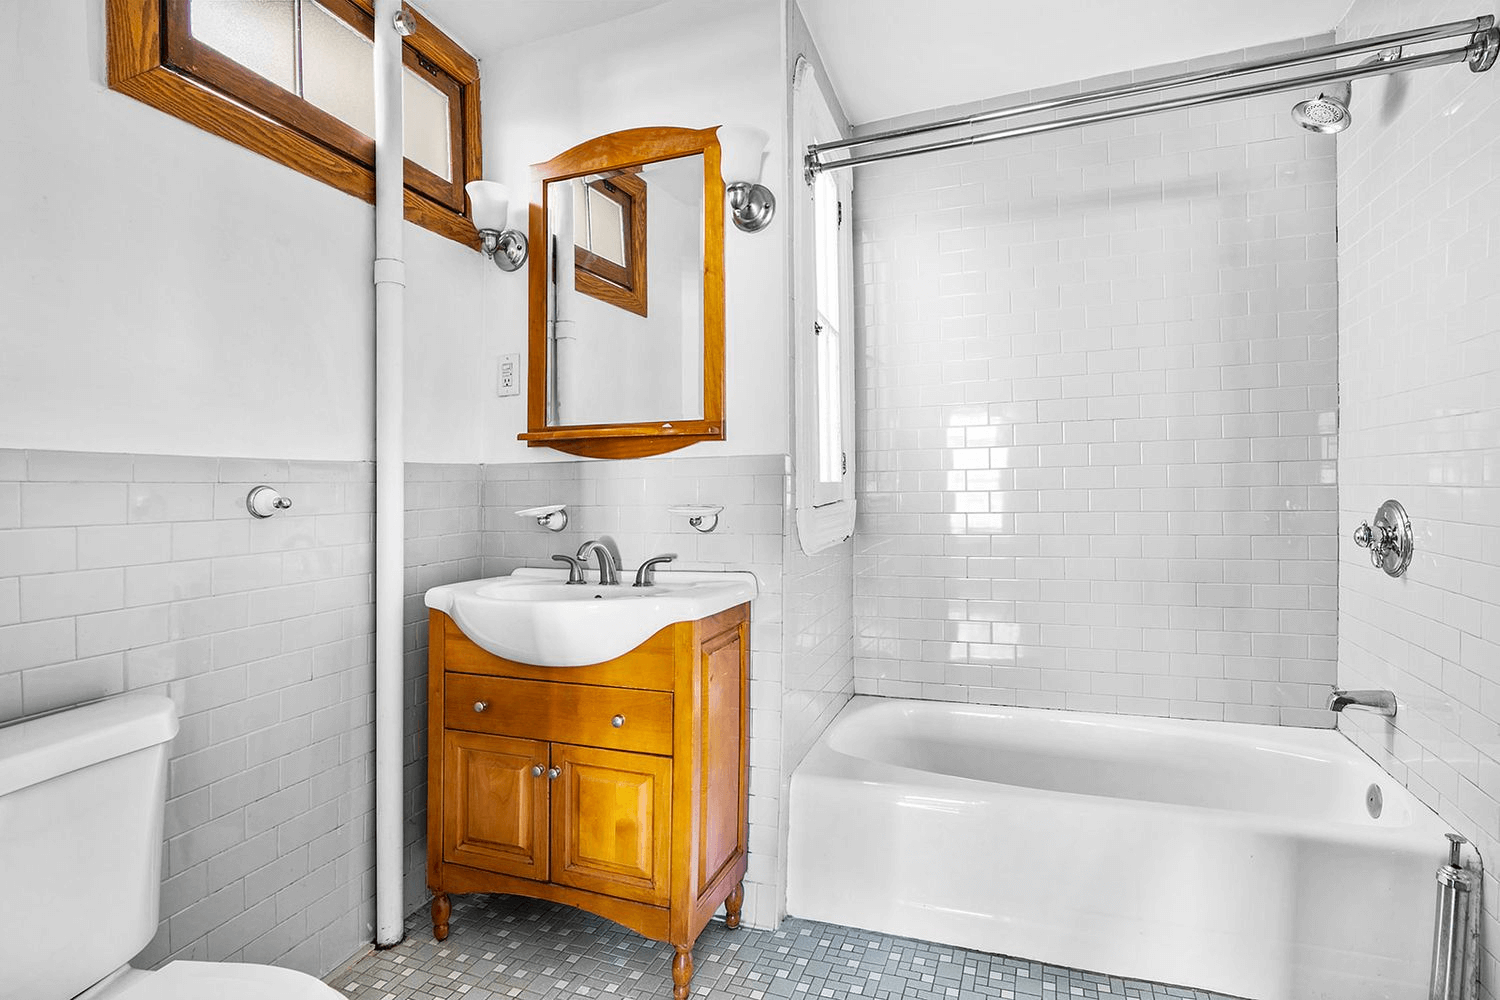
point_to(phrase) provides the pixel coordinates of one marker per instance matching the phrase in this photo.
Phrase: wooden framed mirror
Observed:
(625, 326)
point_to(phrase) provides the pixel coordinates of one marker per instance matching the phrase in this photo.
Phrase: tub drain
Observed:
(1374, 801)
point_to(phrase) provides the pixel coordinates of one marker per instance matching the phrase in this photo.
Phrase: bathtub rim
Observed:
(825, 763)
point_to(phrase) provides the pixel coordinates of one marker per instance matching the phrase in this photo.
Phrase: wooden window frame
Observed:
(602, 278)
(153, 58)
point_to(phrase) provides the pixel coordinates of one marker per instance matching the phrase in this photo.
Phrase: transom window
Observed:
(292, 79)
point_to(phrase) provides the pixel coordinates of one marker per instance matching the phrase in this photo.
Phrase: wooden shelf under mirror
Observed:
(608, 377)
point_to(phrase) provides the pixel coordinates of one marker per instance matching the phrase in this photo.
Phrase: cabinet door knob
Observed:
(617, 721)
(480, 706)
(537, 769)
(552, 773)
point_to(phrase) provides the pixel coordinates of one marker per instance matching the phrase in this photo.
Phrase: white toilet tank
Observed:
(81, 795)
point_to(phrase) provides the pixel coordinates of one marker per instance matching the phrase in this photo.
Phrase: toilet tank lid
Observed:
(48, 746)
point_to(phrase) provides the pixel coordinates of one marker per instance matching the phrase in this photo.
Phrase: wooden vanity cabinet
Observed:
(620, 788)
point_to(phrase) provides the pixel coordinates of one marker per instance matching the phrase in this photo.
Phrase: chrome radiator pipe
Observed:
(1455, 935)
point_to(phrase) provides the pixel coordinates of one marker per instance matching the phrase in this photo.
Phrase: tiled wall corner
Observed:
(626, 502)
(146, 573)
(818, 660)
(1097, 390)
(819, 655)
(1419, 379)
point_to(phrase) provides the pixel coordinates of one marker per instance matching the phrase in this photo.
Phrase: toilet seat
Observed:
(220, 981)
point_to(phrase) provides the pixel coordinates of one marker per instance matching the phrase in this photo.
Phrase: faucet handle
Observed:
(1364, 537)
(646, 575)
(575, 568)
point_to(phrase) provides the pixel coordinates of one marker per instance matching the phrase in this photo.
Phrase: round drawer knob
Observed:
(617, 721)
(552, 773)
(480, 706)
(537, 769)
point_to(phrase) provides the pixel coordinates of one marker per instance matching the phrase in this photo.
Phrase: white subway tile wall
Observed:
(146, 573)
(442, 546)
(1097, 397)
(1419, 379)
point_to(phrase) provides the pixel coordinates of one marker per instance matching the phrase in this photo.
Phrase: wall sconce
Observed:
(751, 203)
(490, 202)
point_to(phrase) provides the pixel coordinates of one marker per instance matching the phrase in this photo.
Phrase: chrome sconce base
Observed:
(751, 206)
(507, 249)
(1389, 539)
(1483, 47)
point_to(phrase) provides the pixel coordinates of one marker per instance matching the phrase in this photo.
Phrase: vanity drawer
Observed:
(581, 714)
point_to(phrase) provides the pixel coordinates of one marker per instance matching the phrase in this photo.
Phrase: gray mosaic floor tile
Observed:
(513, 948)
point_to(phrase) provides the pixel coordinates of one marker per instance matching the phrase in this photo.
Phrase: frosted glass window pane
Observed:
(830, 408)
(260, 35)
(338, 68)
(580, 214)
(606, 227)
(427, 138)
(826, 247)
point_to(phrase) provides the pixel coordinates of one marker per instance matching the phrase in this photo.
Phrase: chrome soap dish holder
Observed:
(553, 517)
(702, 517)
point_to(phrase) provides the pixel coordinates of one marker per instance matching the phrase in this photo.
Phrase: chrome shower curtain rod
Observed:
(1479, 53)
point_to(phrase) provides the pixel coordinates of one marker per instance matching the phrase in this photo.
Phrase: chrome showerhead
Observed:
(1327, 113)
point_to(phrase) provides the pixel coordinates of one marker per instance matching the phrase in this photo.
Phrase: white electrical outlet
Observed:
(509, 383)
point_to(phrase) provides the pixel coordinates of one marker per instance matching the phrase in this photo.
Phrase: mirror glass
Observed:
(625, 295)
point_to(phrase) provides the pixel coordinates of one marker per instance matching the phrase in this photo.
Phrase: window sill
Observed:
(821, 528)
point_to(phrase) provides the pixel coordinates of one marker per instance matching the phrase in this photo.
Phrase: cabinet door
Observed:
(612, 822)
(494, 807)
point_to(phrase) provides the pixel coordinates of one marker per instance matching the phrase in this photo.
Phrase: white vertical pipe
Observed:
(390, 472)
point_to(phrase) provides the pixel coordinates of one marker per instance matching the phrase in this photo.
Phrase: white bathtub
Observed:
(1234, 858)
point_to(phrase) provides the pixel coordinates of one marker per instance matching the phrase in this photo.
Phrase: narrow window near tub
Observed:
(828, 329)
(823, 244)
(290, 79)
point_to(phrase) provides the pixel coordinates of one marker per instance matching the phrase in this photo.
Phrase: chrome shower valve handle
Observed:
(1389, 539)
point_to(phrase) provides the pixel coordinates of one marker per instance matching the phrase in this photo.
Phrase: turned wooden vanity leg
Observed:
(682, 971)
(732, 904)
(441, 909)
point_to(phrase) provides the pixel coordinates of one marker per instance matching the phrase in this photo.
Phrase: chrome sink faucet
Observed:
(1379, 702)
(609, 569)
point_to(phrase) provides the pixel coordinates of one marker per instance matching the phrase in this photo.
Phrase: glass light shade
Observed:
(490, 201)
(741, 148)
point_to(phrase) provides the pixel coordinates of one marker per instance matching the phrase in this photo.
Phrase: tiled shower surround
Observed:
(1097, 393)
(146, 573)
(1419, 379)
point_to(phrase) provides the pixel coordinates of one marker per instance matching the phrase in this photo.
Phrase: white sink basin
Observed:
(536, 616)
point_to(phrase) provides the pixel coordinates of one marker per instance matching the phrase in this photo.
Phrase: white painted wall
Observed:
(174, 293)
(683, 63)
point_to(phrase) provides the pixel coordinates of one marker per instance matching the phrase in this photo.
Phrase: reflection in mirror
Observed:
(625, 276)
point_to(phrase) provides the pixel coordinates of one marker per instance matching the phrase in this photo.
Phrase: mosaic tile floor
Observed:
(508, 946)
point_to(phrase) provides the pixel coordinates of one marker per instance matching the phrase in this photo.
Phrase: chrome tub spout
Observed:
(1379, 702)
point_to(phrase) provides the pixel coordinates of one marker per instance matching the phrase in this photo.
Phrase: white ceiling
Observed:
(894, 57)
(486, 26)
